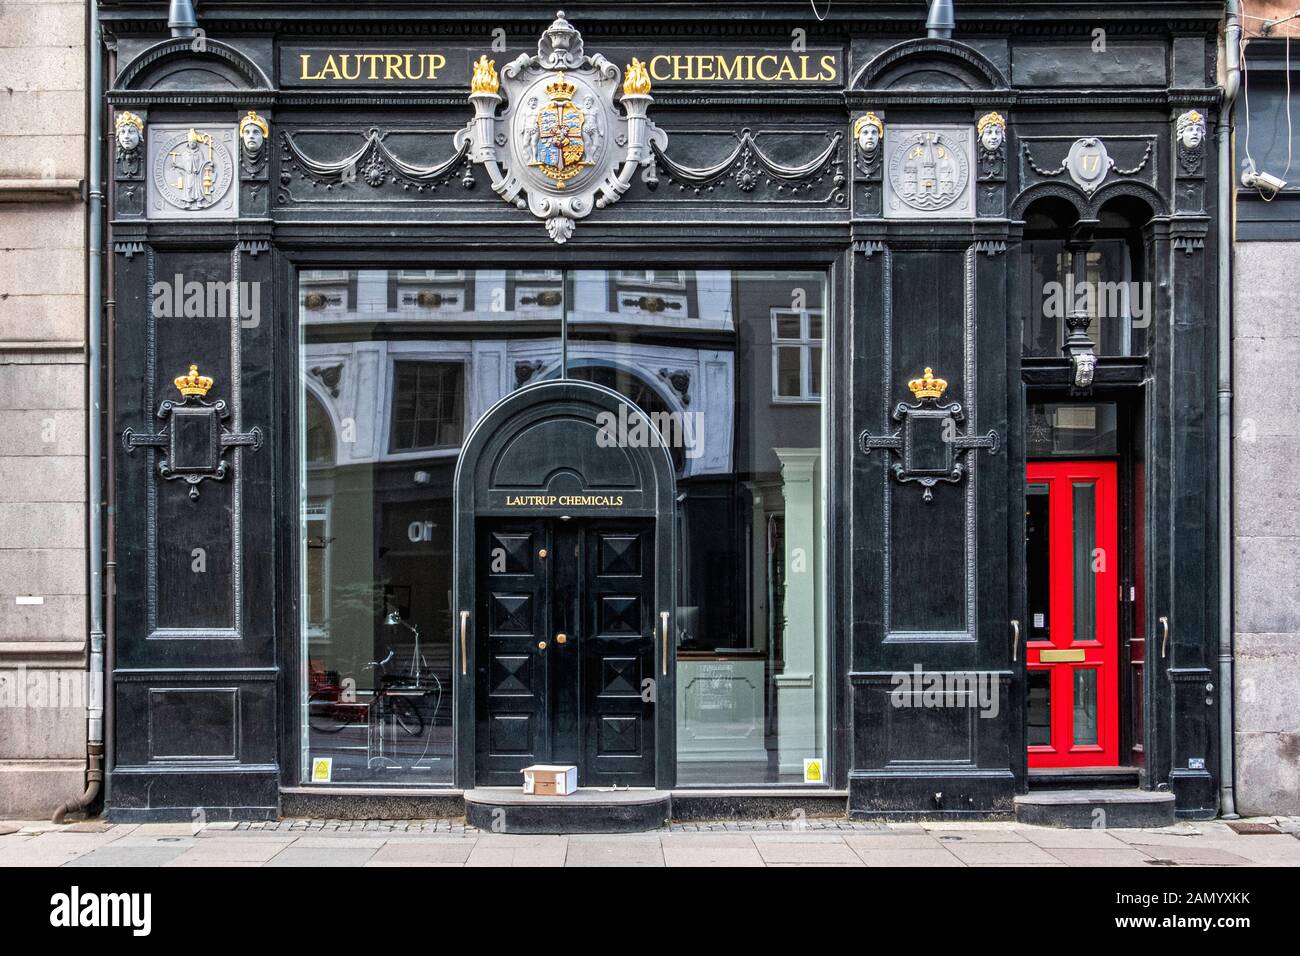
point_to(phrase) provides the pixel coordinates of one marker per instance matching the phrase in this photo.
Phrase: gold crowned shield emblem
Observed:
(560, 150)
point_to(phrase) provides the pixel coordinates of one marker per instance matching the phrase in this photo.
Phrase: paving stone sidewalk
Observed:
(721, 843)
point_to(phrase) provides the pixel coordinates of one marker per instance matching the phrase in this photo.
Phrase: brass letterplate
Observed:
(1071, 655)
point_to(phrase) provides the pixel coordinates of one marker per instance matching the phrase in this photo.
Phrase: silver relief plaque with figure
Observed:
(928, 172)
(192, 172)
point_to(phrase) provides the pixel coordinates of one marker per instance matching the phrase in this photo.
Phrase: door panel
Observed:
(513, 679)
(567, 644)
(1072, 570)
(618, 656)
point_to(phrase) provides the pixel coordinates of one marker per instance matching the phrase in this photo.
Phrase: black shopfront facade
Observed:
(714, 398)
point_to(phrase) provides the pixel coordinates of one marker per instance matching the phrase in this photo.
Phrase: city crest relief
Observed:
(928, 171)
(549, 134)
(191, 172)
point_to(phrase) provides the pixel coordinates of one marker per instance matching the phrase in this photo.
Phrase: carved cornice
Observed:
(144, 99)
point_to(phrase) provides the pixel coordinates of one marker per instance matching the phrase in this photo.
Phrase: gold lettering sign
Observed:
(744, 68)
(415, 65)
(564, 501)
(370, 67)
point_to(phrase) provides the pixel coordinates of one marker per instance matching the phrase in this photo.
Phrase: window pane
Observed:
(1038, 562)
(789, 326)
(1085, 706)
(1085, 561)
(749, 504)
(401, 364)
(789, 371)
(428, 405)
(1107, 290)
(1039, 704)
(396, 364)
(1072, 430)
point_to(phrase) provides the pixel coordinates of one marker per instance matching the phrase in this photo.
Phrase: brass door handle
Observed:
(1015, 639)
(464, 626)
(663, 622)
(1164, 636)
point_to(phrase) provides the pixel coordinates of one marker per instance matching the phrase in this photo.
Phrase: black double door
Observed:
(565, 650)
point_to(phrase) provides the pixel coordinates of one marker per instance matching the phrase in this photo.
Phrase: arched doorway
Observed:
(564, 590)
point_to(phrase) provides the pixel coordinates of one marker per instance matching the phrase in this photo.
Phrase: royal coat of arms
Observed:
(558, 139)
(550, 133)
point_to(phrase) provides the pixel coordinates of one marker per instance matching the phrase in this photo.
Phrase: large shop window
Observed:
(396, 368)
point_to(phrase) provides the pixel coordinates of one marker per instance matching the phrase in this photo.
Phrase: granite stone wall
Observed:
(43, 614)
(1266, 518)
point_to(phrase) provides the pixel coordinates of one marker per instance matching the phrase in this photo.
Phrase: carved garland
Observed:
(747, 166)
(376, 164)
(1111, 167)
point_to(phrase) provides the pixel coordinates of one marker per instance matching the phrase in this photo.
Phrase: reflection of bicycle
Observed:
(329, 712)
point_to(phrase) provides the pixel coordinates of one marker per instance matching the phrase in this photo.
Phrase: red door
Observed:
(1072, 648)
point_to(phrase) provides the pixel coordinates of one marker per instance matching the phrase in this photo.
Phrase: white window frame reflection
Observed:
(806, 344)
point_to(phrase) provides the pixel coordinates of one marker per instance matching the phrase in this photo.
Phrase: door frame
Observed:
(1058, 475)
(566, 665)
(479, 492)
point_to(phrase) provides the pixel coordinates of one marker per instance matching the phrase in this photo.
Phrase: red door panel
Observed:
(1072, 652)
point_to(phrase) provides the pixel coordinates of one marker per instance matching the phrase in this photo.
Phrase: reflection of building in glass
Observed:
(398, 366)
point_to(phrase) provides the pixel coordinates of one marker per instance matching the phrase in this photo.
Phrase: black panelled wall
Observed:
(204, 663)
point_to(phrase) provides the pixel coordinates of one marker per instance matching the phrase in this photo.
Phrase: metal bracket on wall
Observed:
(928, 444)
(194, 440)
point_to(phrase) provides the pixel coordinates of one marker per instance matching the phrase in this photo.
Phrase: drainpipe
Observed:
(939, 25)
(181, 19)
(1227, 213)
(94, 477)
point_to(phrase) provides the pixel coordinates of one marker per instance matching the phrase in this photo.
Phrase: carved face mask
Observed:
(992, 137)
(252, 137)
(1193, 135)
(869, 139)
(128, 137)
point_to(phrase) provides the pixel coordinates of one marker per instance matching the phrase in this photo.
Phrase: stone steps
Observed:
(510, 810)
(1095, 807)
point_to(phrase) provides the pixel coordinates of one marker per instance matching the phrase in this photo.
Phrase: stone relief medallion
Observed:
(192, 172)
(1088, 163)
(560, 133)
(929, 172)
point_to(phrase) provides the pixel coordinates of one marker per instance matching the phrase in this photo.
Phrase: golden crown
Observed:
(252, 119)
(561, 89)
(193, 383)
(927, 386)
(866, 118)
(636, 82)
(127, 118)
(991, 119)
